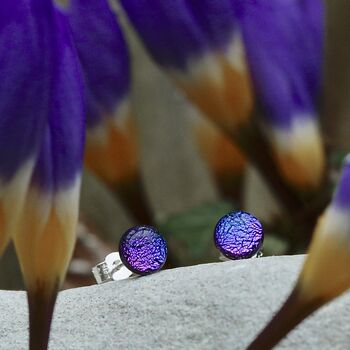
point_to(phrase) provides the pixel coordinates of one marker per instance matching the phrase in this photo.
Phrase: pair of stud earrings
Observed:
(143, 250)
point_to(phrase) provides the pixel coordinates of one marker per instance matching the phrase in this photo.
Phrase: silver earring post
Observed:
(112, 269)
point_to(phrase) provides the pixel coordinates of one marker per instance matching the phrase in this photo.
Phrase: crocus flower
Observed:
(199, 45)
(41, 147)
(111, 149)
(325, 274)
(283, 41)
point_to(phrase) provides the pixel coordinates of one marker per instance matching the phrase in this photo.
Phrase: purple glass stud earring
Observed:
(239, 235)
(142, 251)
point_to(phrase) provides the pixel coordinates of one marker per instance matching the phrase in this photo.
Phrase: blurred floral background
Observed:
(179, 155)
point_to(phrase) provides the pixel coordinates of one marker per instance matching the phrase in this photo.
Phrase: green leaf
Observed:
(190, 234)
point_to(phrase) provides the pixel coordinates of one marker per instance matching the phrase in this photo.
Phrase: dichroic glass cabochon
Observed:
(143, 250)
(238, 235)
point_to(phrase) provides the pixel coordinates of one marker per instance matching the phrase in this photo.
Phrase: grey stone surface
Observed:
(213, 306)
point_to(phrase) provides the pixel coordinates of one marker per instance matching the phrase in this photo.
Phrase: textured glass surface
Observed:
(238, 235)
(143, 250)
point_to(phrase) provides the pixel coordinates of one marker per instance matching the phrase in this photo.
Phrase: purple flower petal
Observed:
(40, 94)
(111, 147)
(216, 20)
(104, 56)
(61, 152)
(41, 116)
(25, 78)
(284, 50)
(178, 32)
(198, 45)
(168, 30)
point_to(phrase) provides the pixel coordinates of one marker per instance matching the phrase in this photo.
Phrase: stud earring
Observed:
(238, 235)
(142, 251)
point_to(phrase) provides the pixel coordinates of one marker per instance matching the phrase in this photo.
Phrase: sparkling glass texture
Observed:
(238, 235)
(143, 250)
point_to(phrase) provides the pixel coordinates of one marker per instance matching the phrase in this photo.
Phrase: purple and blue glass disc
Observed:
(238, 235)
(143, 250)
